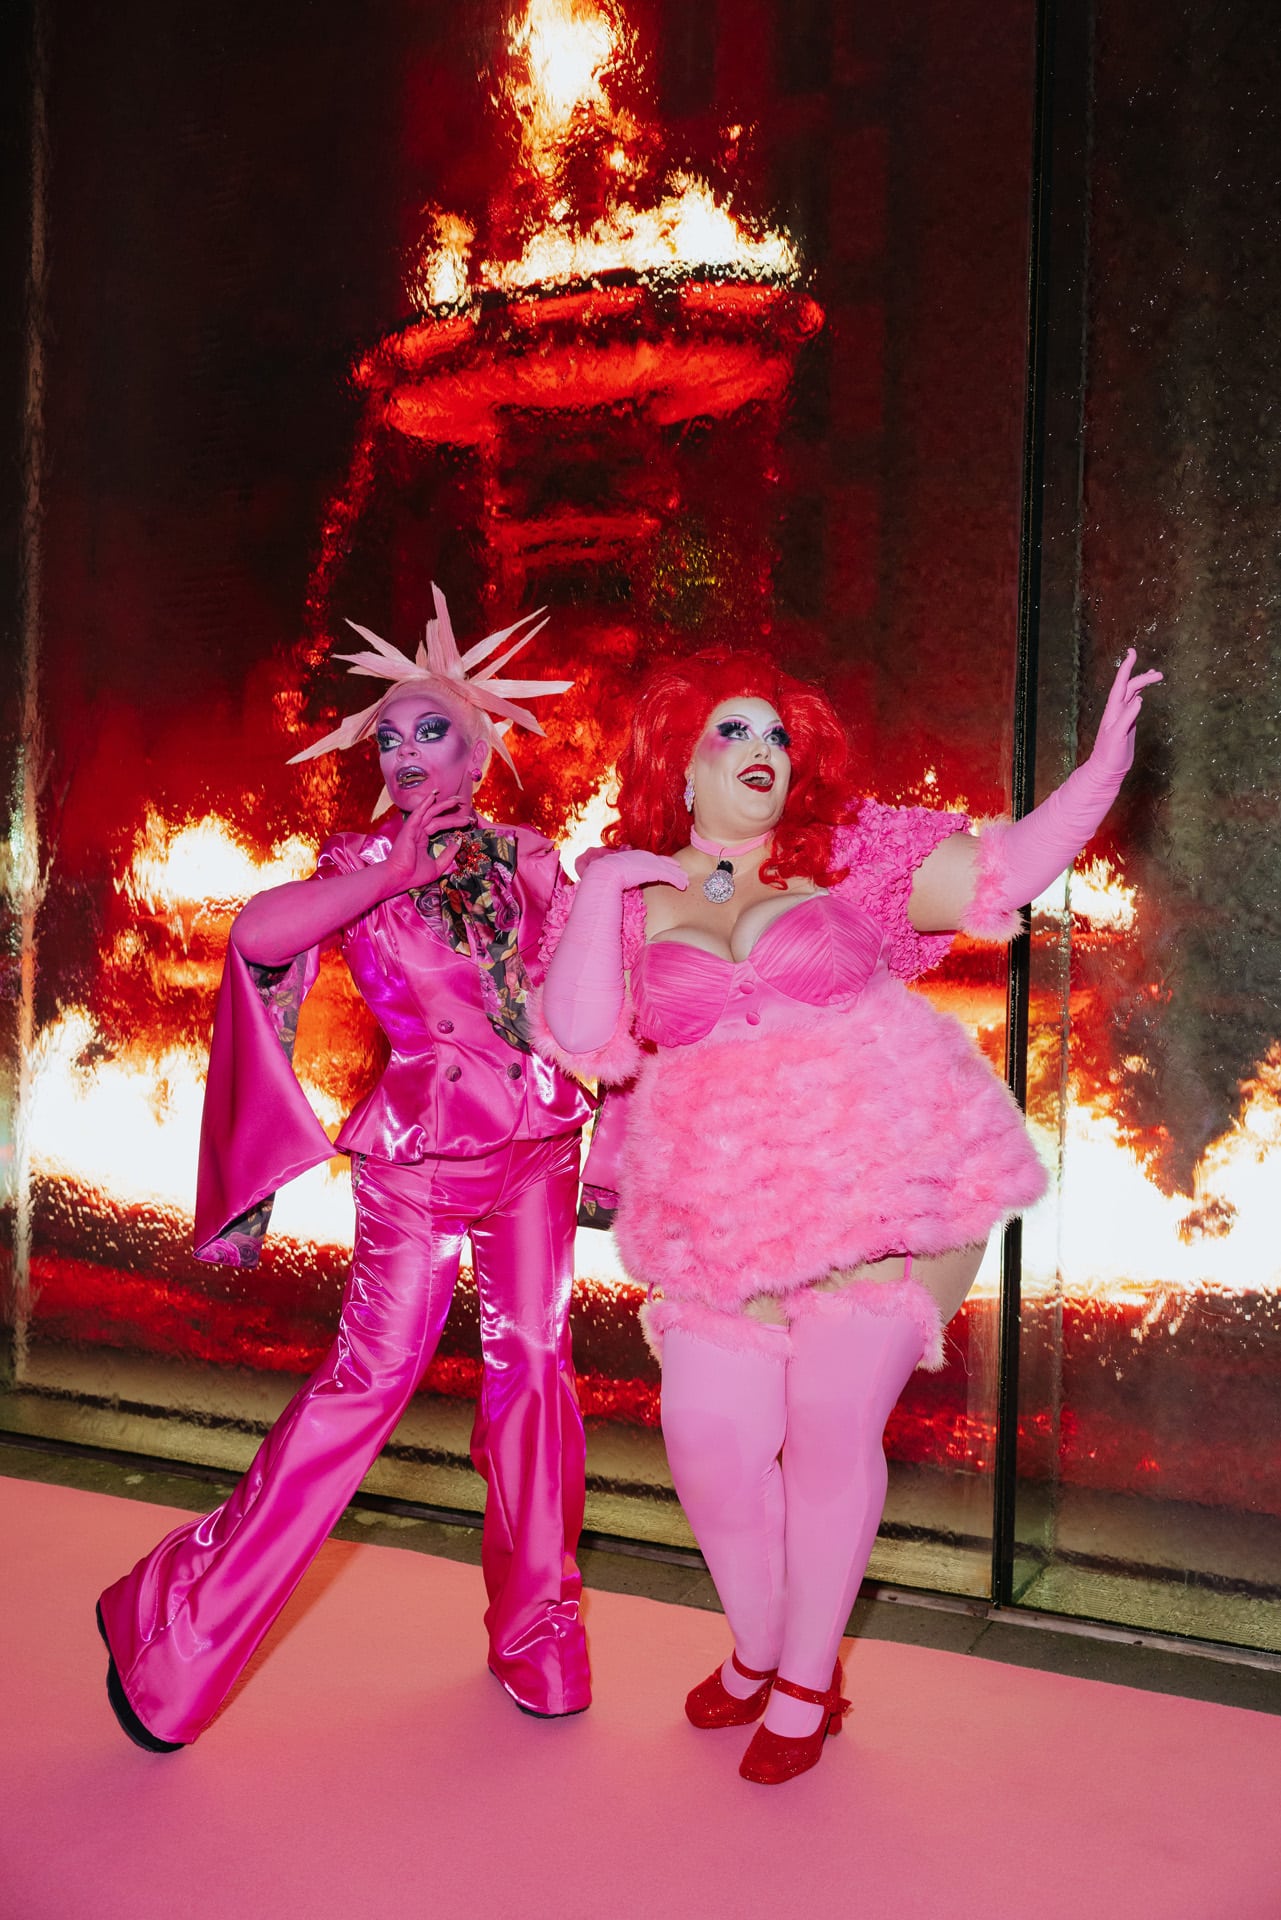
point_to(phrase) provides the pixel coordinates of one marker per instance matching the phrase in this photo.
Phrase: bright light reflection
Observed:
(686, 230)
(1093, 892)
(1116, 1233)
(566, 45)
(563, 54)
(204, 861)
(584, 828)
(129, 1125)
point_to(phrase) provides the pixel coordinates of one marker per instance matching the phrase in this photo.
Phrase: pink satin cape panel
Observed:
(257, 1130)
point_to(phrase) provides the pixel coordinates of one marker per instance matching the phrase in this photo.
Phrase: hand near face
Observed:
(411, 862)
(1114, 743)
(632, 867)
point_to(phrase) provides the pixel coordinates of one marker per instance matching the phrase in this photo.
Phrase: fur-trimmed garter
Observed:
(889, 1299)
(739, 1332)
(989, 915)
(613, 1064)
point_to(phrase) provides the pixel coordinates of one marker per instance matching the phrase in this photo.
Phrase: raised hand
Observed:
(631, 867)
(1023, 858)
(1114, 743)
(583, 992)
(411, 862)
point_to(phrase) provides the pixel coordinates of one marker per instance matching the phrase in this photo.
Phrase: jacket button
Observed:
(513, 1071)
(753, 1019)
(444, 1026)
(453, 1073)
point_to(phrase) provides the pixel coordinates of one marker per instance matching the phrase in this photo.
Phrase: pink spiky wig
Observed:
(471, 677)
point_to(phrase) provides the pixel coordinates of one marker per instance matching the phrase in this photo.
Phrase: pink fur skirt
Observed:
(758, 1166)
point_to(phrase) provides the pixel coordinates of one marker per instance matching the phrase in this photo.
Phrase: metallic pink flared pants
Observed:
(184, 1623)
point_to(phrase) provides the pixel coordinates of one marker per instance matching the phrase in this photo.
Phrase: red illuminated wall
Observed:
(232, 206)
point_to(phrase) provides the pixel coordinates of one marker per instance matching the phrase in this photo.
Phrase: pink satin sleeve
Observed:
(257, 1130)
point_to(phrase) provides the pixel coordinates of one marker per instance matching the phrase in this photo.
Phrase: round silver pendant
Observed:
(719, 885)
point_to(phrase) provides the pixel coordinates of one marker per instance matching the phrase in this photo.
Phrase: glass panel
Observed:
(1152, 1327)
(748, 360)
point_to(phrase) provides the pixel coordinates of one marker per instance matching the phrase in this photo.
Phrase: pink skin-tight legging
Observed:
(777, 1457)
(183, 1624)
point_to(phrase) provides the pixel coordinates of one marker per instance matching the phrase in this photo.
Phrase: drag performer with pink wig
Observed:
(468, 1132)
(814, 1157)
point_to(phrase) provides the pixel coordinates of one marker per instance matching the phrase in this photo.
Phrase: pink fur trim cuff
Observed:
(989, 915)
(736, 1331)
(890, 1299)
(613, 1064)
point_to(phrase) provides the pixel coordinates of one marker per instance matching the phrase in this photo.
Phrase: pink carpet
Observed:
(370, 1769)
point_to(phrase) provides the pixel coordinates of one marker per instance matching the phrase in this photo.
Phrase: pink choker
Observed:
(744, 846)
(719, 884)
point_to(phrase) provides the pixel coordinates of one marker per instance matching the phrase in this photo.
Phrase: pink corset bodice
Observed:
(821, 953)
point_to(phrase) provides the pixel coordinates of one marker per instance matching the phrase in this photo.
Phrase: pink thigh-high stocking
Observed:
(724, 1414)
(853, 1350)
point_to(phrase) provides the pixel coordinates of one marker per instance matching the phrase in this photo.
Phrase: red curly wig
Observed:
(672, 711)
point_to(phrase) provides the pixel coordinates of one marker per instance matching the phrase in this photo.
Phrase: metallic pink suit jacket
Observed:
(451, 1084)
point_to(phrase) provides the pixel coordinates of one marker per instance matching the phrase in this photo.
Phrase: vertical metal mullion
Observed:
(26, 881)
(1022, 787)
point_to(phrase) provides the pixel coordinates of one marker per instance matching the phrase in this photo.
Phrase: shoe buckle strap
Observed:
(750, 1673)
(831, 1698)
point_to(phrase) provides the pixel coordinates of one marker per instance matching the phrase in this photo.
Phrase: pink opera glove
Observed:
(583, 992)
(1017, 861)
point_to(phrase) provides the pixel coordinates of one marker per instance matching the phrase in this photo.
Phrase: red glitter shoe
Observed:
(710, 1704)
(772, 1757)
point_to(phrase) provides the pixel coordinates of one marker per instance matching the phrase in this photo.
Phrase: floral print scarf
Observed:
(476, 908)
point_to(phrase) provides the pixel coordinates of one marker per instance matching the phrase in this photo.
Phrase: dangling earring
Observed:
(689, 795)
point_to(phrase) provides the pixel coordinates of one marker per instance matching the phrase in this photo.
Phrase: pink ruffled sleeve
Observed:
(883, 847)
(633, 927)
(558, 912)
(555, 921)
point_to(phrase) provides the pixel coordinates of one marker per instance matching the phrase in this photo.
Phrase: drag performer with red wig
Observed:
(814, 1157)
(467, 1132)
